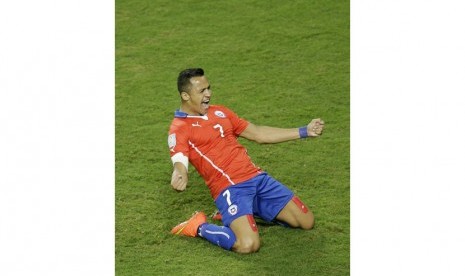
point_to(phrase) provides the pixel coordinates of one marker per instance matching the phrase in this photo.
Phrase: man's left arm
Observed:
(269, 135)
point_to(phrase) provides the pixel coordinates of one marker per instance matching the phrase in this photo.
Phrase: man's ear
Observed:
(185, 96)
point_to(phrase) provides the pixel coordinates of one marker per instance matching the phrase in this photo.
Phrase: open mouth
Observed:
(205, 104)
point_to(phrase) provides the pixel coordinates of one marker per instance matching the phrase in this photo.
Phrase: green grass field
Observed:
(277, 63)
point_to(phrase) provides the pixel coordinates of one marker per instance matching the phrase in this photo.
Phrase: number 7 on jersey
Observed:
(221, 129)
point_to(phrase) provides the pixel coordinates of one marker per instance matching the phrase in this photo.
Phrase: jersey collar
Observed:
(180, 114)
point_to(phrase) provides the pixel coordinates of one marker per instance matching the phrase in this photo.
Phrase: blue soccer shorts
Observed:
(261, 196)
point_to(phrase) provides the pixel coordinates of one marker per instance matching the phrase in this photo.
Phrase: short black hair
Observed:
(185, 76)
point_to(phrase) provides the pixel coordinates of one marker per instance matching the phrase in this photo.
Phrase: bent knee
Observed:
(246, 246)
(307, 223)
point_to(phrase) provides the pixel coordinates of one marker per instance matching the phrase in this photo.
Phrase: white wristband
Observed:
(179, 157)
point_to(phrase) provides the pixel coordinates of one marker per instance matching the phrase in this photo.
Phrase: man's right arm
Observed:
(179, 151)
(179, 177)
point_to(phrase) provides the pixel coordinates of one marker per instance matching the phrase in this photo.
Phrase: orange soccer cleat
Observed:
(190, 226)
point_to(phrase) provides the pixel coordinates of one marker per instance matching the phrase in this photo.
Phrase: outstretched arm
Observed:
(268, 135)
(179, 177)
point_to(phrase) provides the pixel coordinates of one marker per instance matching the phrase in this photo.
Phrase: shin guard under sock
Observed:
(219, 235)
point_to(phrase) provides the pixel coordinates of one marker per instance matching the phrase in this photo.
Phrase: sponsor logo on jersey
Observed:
(172, 141)
(220, 114)
(232, 209)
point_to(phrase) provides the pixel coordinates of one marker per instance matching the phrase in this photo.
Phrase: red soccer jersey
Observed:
(210, 144)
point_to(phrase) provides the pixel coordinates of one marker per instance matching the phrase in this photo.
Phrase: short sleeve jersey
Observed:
(210, 144)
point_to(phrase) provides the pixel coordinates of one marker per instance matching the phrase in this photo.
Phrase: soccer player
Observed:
(206, 136)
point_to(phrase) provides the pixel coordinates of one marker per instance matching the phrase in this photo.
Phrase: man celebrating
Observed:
(206, 136)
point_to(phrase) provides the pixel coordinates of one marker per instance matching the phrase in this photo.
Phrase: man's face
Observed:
(199, 96)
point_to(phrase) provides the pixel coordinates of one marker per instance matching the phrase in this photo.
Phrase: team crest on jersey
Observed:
(172, 141)
(220, 114)
(232, 209)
